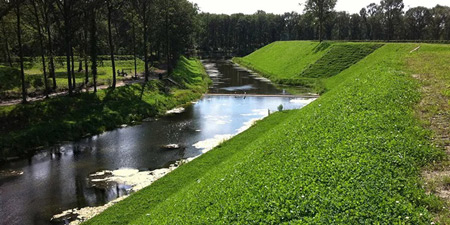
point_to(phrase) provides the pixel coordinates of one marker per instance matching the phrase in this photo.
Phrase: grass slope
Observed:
(339, 58)
(285, 59)
(69, 118)
(351, 157)
(305, 63)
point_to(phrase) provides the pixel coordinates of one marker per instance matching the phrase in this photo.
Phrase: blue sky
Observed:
(281, 6)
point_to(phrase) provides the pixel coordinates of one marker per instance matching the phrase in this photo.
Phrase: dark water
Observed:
(56, 180)
(231, 79)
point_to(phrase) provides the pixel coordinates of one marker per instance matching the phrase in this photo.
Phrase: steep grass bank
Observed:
(351, 157)
(306, 63)
(24, 127)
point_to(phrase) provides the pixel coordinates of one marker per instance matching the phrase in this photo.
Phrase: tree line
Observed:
(85, 29)
(386, 21)
(161, 30)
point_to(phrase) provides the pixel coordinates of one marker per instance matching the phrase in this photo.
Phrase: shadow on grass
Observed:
(69, 118)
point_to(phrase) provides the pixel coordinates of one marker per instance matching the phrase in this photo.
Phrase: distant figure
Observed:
(245, 94)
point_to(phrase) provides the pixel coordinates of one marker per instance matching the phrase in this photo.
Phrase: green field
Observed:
(10, 83)
(354, 156)
(70, 118)
(306, 63)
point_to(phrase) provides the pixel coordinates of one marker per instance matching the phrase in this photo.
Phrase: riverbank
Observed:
(352, 156)
(26, 128)
(306, 63)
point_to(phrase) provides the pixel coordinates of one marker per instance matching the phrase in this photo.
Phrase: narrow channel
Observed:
(57, 179)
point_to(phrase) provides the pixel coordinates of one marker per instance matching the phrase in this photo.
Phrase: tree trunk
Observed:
(68, 46)
(321, 20)
(50, 51)
(19, 40)
(169, 67)
(41, 43)
(86, 66)
(93, 52)
(8, 53)
(74, 82)
(80, 64)
(111, 46)
(144, 14)
(134, 51)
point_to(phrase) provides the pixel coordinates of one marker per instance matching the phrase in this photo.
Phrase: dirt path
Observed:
(91, 89)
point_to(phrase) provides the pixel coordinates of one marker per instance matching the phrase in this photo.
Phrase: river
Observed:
(57, 178)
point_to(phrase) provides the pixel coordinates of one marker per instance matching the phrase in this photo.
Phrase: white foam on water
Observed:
(303, 100)
(175, 111)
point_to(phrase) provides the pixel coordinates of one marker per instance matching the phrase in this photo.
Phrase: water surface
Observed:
(57, 179)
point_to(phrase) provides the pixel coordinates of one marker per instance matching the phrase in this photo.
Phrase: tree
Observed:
(375, 18)
(6, 42)
(342, 26)
(41, 45)
(439, 16)
(142, 9)
(355, 27)
(416, 21)
(47, 12)
(66, 10)
(111, 5)
(93, 40)
(17, 5)
(393, 10)
(320, 9)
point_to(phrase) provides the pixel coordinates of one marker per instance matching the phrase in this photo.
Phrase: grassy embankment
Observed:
(10, 83)
(431, 66)
(354, 156)
(305, 63)
(24, 127)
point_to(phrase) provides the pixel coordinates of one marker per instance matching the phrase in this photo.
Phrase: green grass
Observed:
(10, 86)
(306, 64)
(339, 58)
(286, 59)
(24, 127)
(354, 156)
(431, 65)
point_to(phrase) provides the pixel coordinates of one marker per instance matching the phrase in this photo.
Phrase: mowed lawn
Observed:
(10, 83)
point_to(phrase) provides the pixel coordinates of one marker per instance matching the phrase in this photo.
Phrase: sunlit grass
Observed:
(11, 84)
(353, 156)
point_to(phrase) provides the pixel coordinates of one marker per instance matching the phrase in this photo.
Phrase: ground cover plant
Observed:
(430, 64)
(338, 58)
(69, 118)
(353, 156)
(306, 63)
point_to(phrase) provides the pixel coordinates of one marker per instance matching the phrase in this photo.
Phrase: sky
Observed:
(282, 6)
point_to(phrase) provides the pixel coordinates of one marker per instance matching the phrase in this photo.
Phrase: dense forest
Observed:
(387, 21)
(75, 32)
(69, 30)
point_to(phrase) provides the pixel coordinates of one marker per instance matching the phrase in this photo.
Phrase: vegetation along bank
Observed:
(27, 126)
(354, 156)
